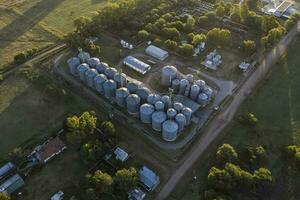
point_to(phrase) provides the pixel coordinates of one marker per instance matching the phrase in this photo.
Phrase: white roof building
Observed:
(58, 196)
(136, 64)
(157, 52)
(121, 154)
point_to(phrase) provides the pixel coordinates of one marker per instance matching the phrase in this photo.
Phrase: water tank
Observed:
(167, 101)
(200, 83)
(133, 102)
(178, 106)
(181, 121)
(121, 95)
(143, 93)
(195, 89)
(90, 75)
(84, 56)
(82, 68)
(170, 130)
(175, 85)
(208, 91)
(159, 106)
(158, 117)
(101, 67)
(190, 78)
(153, 98)
(99, 80)
(73, 63)
(182, 86)
(187, 112)
(171, 113)
(93, 62)
(109, 87)
(132, 87)
(110, 72)
(146, 111)
(203, 99)
(121, 79)
(168, 74)
(187, 90)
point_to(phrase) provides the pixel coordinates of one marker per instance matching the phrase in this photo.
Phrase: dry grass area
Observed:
(10, 3)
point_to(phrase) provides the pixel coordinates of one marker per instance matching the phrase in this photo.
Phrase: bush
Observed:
(143, 35)
(248, 46)
(186, 50)
(170, 44)
(248, 119)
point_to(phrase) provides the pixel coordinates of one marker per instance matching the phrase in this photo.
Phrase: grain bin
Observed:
(170, 130)
(190, 78)
(171, 113)
(178, 106)
(195, 89)
(121, 95)
(146, 111)
(175, 85)
(200, 83)
(182, 87)
(101, 67)
(187, 90)
(90, 75)
(73, 63)
(132, 87)
(82, 68)
(181, 121)
(153, 98)
(83, 56)
(168, 74)
(121, 79)
(208, 91)
(203, 99)
(159, 106)
(133, 102)
(187, 112)
(158, 117)
(93, 62)
(167, 101)
(143, 93)
(110, 72)
(99, 80)
(110, 87)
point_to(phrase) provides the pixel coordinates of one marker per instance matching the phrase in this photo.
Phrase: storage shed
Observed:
(156, 52)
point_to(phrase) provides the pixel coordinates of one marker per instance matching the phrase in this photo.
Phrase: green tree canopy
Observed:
(226, 153)
(4, 197)
(126, 179)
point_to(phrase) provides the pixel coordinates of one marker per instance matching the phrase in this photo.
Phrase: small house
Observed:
(148, 178)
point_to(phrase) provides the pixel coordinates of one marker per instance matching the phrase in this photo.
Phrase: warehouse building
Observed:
(11, 185)
(5, 169)
(136, 65)
(148, 178)
(282, 8)
(156, 52)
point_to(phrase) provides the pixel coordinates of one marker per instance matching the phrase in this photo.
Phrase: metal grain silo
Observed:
(73, 63)
(93, 62)
(178, 106)
(187, 90)
(190, 78)
(171, 113)
(170, 130)
(84, 56)
(146, 111)
(203, 99)
(167, 101)
(90, 75)
(175, 85)
(109, 87)
(133, 102)
(121, 79)
(159, 106)
(208, 91)
(187, 112)
(110, 72)
(153, 98)
(143, 93)
(181, 121)
(158, 117)
(195, 89)
(182, 86)
(200, 83)
(168, 74)
(101, 67)
(121, 95)
(132, 87)
(99, 80)
(82, 68)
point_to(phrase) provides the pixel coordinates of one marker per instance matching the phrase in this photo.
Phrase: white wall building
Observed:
(157, 52)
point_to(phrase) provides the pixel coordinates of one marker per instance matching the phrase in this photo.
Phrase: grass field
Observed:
(276, 104)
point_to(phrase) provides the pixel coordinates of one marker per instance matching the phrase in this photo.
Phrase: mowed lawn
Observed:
(276, 104)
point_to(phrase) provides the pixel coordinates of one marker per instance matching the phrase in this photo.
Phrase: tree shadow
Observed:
(27, 21)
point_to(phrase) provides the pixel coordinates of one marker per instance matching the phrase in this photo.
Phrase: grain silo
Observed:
(121, 79)
(133, 102)
(187, 90)
(170, 130)
(178, 106)
(158, 117)
(175, 85)
(187, 112)
(195, 89)
(109, 87)
(190, 78)
(73, 63)
(132, 87)
(143, 93)
(182, 87)
(101, 67)
(110, 72)
(146, 111)
(181, 121)
(167, 101)
(171, 113)
(84, 56)
(208, 91)
(153, 98)
(82, 68)
(121, 95)
(203, 99)
(168, 74)
(200, 83)
(159, 106)
(99, 80)
(93, 62)
(90, 75)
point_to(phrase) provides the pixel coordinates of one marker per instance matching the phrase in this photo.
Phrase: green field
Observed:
(276, 103)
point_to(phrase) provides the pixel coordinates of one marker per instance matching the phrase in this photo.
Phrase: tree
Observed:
(219, 178)
(248, 46)
(248, 119)
(268, 23)
(186, 49)
(256, 154)
(293, 154)
(92, 48)
(235, 14)
(254, 4)
(240, 178)
(108, 128)
(126, 179)
(203, 20)
(4, 196)
(171, 33)
(92, 151)
(190, 24)
(219, 37)
(81, 23)
(289, 23)
(143, 35)
(197, 39)
(170, 44)
(226, 153)
(273, 36)
(220, 10)
(263, 179)
(101, 182)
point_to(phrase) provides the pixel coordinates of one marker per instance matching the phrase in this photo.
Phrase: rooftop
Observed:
(51, 148)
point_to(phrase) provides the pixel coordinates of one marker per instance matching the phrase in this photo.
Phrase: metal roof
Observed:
(12, 184)
(121, 154)
(136, 64)
(148, 177)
